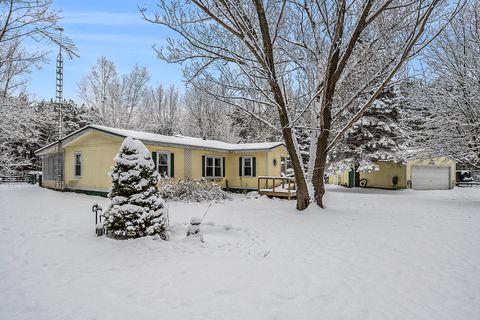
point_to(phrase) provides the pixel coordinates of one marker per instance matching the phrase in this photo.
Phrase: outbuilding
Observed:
(420, 174)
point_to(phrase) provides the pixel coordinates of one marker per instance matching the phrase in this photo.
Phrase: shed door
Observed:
(351, 178)
(431, 178)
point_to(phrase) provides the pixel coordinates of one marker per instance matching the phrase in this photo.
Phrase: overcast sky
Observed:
(110, 28)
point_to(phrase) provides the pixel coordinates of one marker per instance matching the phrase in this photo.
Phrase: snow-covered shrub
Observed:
(136, 209)
(192, 191)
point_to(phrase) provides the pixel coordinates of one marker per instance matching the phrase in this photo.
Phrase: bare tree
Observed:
(205, 116)
(19, 20)
(26, 18)
(115, 100)
(34, 19)
(161, 110)
(15, 63)
(133, 91)
(99, 90)
(255, 48)
(448, 122)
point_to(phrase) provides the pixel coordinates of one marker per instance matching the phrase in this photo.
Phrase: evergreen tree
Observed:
(74, 117)
(377, 136)
(303, 141)
(136, 209)
(17, 135)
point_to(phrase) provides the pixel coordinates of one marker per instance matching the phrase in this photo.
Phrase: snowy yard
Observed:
(373, 254)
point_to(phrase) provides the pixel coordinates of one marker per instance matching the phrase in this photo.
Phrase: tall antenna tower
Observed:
(59, 91)
(66, 44)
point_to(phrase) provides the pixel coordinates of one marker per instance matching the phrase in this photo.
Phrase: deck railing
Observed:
(277, 188)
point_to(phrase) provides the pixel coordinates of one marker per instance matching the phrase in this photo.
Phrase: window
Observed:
(78, 164)
(286, 169)
(247, 166)
(163, 165)
(213, 167)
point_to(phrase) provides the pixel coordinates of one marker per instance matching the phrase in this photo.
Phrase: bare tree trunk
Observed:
(331, 78)
(321, 158)
(303, 198)
(319, 170)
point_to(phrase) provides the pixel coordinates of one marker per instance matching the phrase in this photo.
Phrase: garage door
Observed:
(430, 178)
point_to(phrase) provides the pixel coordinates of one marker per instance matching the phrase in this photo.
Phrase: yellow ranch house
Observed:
(81, 161)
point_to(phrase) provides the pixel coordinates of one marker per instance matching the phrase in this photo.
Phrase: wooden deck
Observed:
(281, 187)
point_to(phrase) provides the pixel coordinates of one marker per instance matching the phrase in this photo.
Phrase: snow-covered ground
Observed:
(373, 254)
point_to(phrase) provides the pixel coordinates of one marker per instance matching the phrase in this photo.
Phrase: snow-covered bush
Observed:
(136, 209)
(192, 191)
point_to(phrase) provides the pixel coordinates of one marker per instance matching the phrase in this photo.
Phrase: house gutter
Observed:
(73, 135)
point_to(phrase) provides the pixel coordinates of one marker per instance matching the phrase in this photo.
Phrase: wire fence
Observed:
(18, 179)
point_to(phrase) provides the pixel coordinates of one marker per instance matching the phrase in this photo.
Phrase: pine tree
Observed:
(17, 135)
(303, 141)
(377, 136)
(46, 113)
(136, 209)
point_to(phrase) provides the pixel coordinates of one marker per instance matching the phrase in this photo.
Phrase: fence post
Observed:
(288, 188)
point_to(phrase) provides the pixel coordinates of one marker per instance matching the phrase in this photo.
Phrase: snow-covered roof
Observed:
(177, 140)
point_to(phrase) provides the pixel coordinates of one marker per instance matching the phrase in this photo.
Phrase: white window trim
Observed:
(285, 164)
(77, 153)
(251, 166)
(168, 163)
(221, 167)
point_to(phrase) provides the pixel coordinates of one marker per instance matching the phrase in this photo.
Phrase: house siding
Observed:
(98, 150)
(383, 177)
(178, 158)
(376, 179)
(339, 179)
